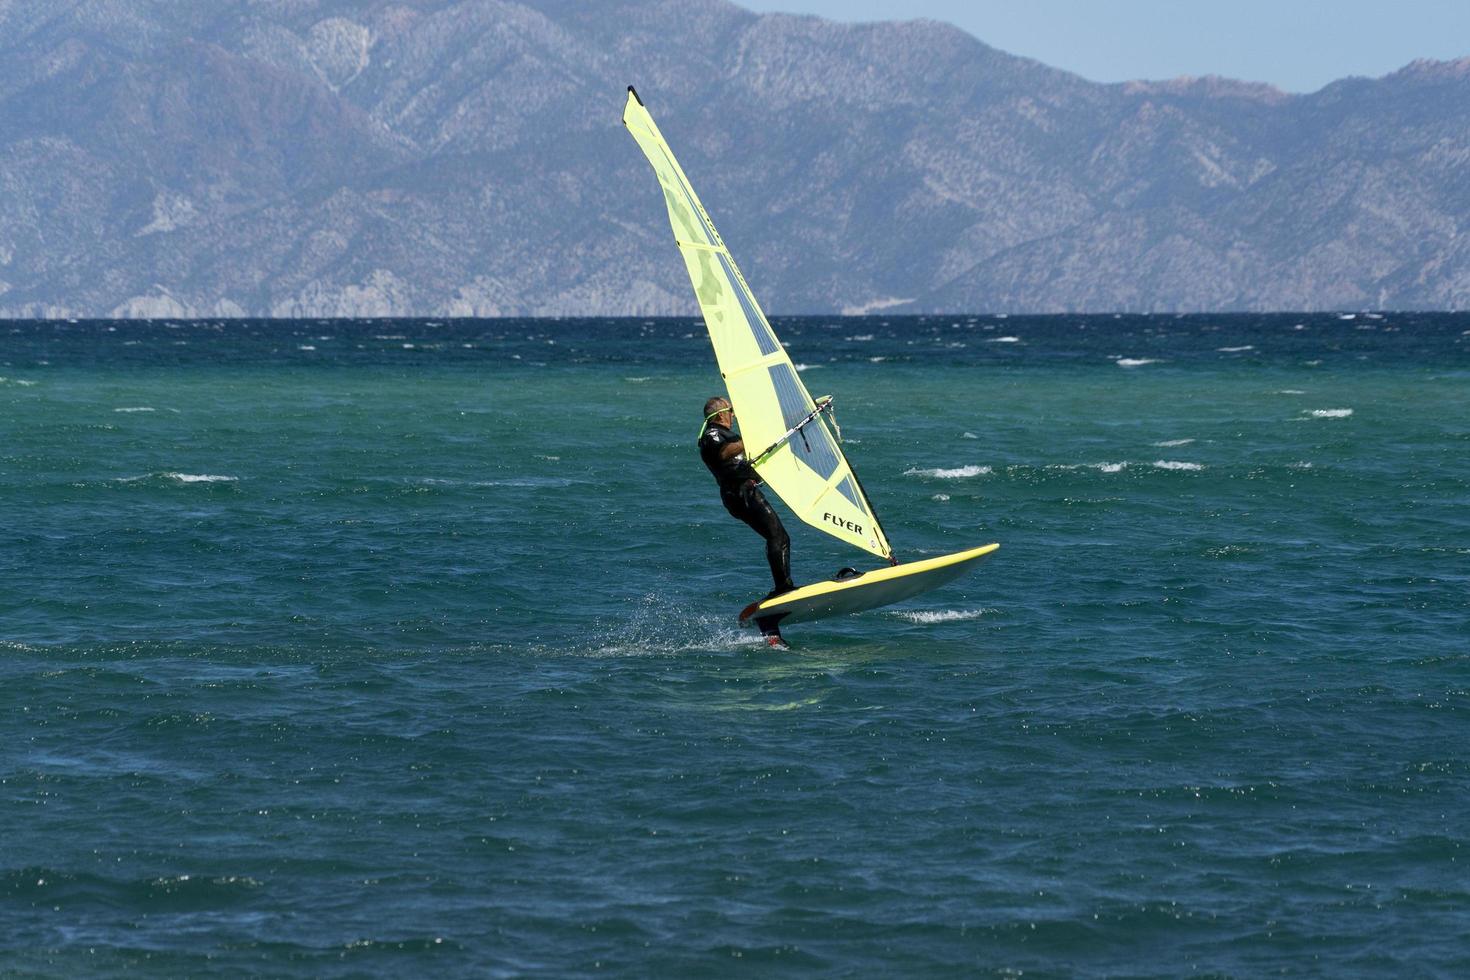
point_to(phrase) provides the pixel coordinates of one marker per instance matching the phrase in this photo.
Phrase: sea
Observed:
(409, 648)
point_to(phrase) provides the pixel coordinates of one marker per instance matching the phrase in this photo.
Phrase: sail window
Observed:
(812, 445)
(763, 336)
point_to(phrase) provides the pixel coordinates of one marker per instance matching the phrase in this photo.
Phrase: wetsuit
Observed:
(741, 495)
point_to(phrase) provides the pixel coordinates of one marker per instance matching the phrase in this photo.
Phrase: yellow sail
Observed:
(808, 471)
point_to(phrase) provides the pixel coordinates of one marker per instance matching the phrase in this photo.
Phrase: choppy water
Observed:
(408, 648)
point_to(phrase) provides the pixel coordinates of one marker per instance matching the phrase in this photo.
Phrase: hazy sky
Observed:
(1297, 45)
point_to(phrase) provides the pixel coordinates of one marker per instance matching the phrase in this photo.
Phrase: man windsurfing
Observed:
(723, 452)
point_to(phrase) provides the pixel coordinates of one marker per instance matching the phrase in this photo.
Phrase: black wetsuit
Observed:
(741, 495)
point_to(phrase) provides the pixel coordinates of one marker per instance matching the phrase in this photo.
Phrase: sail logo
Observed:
(848, 525)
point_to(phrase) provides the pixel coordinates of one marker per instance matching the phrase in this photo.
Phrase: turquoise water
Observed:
(408, 648)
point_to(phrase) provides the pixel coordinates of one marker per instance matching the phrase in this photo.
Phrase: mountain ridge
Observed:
(464, 158)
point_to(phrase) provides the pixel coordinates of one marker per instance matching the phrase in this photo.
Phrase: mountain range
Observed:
(305, 158)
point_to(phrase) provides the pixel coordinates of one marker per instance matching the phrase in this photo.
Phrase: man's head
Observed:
(718, 411)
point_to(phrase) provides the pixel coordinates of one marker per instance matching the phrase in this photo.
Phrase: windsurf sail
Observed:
(806, 469)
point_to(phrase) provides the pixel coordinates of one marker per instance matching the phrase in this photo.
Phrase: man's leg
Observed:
(762, 517)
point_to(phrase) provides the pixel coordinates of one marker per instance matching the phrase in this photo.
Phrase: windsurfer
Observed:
(723, 452)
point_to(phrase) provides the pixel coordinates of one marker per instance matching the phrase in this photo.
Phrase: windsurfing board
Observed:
(865, 590)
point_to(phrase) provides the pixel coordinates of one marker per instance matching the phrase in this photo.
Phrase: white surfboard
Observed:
(863, 591)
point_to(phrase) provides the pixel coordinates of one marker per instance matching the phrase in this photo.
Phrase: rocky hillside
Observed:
(465, 157)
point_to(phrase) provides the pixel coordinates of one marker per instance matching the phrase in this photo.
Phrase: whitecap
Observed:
(1128, 362)
(1169, 464)
(1330, 413)
(305, 347)
(1347, 316)
(927, 616)
(139, 408)
(1290, 391)
(637, 381)
(199, 478)
(861, 338)
(876, 360)
(1004, 340)
(970, 435)
(941, 497)
(520, 483)
(1108, 467)
(807, 367)
(180, 478)
(1235, 350)
(1171, 443)
(959, 472)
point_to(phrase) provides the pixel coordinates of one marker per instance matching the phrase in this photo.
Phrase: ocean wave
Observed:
(959, 472)
(518, 482)
(1170, 464)
(927, 616)
(181, 478)
(1171, 443)
(1129, 362)
(1330, 413)
(200, 478)
(1100, 467)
